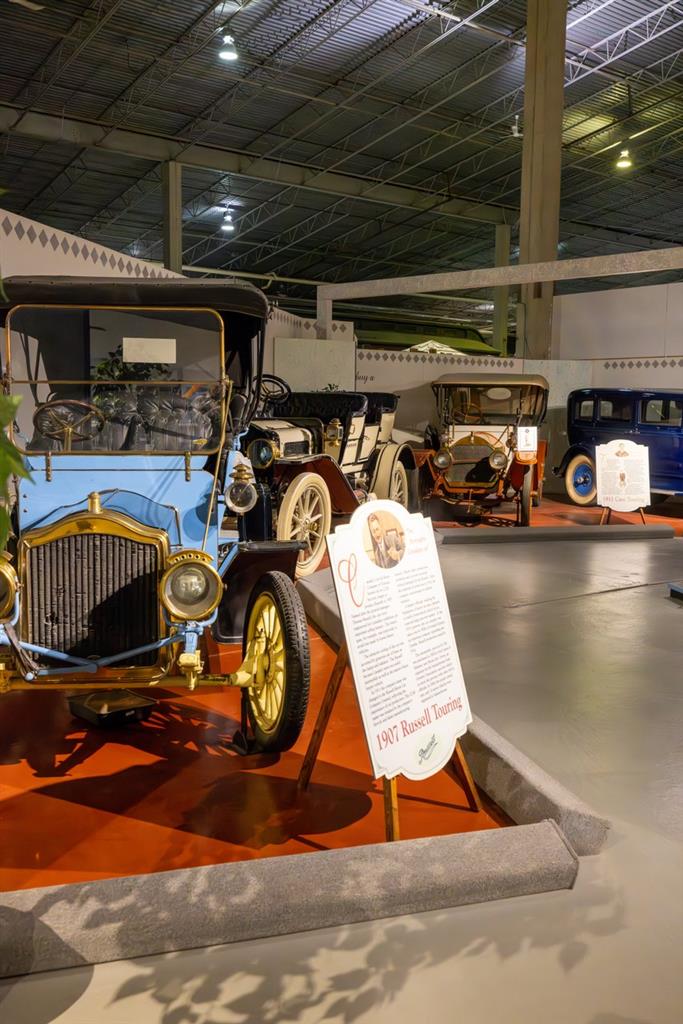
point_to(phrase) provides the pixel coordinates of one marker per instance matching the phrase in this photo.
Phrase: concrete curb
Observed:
(120, 918)
(527, 793)
(538, 534)
(516, 783)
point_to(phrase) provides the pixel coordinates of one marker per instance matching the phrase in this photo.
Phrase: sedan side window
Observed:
(665, 412)
(616, 409)
(583, 410)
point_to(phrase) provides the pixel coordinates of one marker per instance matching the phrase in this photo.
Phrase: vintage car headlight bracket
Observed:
(190, 589)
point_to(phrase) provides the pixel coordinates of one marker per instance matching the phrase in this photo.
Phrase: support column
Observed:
(173, 215)
(501, 295)
(541, 166)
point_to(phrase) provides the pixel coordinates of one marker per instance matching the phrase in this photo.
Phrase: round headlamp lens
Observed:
(498, 460)
(241, 497)
(189, 585)
(191, 589)
(442, 459)
(261, 453)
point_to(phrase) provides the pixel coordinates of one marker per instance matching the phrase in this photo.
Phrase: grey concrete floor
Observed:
(574, 653)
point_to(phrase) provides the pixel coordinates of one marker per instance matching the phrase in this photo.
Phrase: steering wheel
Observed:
(66, 419)
(469, 415)
(273, 389)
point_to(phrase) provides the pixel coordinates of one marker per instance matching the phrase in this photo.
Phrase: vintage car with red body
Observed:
(485, 448)
(316, 454)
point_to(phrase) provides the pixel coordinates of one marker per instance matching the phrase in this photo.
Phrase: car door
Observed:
(614, 416)
(660, 427)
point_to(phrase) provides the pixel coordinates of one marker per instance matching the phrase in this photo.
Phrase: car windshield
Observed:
(112, 380)
(495, 404)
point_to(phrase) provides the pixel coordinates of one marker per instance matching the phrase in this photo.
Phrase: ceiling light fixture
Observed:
(229, 51)
(227, 224)
(624, 161)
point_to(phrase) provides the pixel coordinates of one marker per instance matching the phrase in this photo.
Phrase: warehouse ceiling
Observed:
(350, 138)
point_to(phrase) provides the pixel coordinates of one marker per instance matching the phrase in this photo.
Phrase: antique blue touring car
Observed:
(599, 415)
(135, 395)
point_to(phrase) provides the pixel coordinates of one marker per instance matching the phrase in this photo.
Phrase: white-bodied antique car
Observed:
(316, 454)
(485, 449)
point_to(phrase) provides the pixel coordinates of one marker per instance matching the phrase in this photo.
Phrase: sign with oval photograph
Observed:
(399, 634)
(622, 471)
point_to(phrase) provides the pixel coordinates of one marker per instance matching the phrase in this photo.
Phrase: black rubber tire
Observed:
(657, 498)
(297, 662)
(525, 500)
(537, 498)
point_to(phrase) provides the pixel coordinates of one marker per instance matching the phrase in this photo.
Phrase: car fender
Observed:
(252, 560)
(344, 499)
(389, 455)
(574, 450)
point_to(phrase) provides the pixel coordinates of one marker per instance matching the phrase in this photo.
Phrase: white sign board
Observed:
(527, 439)
(622, 471)
(149, 350)
(400, 639)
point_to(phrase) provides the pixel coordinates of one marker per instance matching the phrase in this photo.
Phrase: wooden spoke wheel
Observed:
(306, 514)
(525, 499)
(398, 485)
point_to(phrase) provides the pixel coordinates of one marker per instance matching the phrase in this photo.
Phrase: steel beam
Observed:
(622, 263)
(159, 148)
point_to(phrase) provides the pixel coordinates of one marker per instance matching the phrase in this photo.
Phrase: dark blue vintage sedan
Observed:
(599, 415)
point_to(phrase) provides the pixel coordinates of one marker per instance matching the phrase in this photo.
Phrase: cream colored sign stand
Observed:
(622, 470)
(401, 650)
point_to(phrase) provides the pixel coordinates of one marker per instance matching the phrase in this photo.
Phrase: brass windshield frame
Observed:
(221, 379)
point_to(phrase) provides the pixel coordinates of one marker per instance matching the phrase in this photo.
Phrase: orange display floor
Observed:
(79, 802)
(559, 511)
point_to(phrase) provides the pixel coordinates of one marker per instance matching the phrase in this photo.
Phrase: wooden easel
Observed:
(607, 515)
(457, 768)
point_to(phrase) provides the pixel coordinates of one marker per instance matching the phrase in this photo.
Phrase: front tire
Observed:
(398, 485)
(579, 480)
(277, 708)
(525, 500)
(306, 514)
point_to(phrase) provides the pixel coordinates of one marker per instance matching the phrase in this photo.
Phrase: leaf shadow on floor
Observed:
(346, 974)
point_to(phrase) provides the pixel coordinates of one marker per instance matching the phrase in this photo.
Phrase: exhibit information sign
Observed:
(527, 439)
(402, 650)
(622, 471)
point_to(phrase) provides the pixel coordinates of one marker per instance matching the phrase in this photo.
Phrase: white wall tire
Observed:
(579, 480)
(306, 514)
(398, 484)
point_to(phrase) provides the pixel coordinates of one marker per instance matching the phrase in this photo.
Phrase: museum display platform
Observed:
(556, 510)
(81, 802)
(169, 798)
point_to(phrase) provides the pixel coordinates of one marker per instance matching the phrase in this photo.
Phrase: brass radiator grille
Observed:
(92, 595)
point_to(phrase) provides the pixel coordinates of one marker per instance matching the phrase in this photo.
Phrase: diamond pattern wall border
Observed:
(370, 354)
(12, 224)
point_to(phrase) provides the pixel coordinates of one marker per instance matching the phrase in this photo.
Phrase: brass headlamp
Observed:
(190, 588)
(9, 584)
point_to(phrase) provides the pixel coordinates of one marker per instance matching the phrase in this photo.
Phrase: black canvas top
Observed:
(225, 294)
